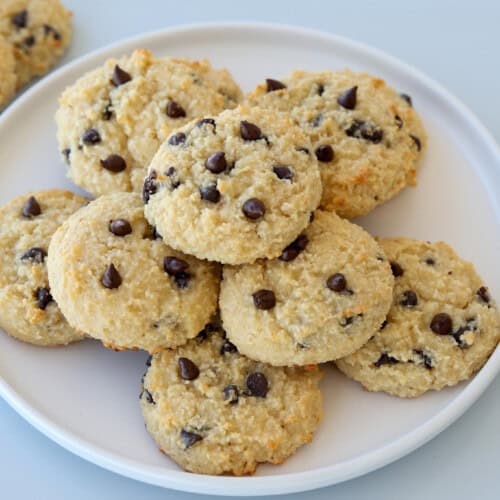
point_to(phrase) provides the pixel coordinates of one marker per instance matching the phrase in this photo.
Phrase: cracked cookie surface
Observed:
(115, 279)
(214, 411)
(368, 139)
(27, 309)
(441, 329)
(112, 120)
(323, 298)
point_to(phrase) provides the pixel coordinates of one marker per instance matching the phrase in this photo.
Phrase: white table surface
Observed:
(456, 43)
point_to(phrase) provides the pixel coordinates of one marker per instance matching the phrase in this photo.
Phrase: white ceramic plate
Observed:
(85, 397)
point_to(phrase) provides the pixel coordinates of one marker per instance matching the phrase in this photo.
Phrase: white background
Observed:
(456, 43)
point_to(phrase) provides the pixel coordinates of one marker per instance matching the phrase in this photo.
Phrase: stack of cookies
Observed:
(220, 242)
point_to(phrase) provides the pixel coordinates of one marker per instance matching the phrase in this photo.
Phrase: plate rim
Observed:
(294, 481)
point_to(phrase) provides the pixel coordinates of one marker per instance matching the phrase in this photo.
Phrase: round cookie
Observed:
(112, 120)
(367, 137)
(115, 279)
(39, 32)
(27, 310)
(233, 189)
(214, 411)
(325, 296)
(442, 327)
(7, 70)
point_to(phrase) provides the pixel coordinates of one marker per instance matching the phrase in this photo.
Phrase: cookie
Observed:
(442, 327)
(234, 188)
(323, 298)
(7, 70)
(27, 310)
(38, 31)
(214, 411)
(115, 279)
(112, 120)
(368, 138)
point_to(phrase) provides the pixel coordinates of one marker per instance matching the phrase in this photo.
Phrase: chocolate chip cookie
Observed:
(113, 119)
(368, 139)
(233, 188)
(441, 329)
(214, 411)
(324, 297)
(38, 32)
(28, 311)
(7, 70)
(115, 279)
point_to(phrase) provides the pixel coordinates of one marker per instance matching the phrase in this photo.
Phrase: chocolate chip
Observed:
(483, 294)
(216, 162)
(399, 121)
(349, 320)
(336, 282)
(292, 251)
(43, 297)
(283, 172)
(190, 438)
(317, 120)
(320, 89)
(111, 278)
(257, 384)
(170, 172)
(114, 163)
(120, 227)
(407, 98)
(469, 326)
(176, 139)
(441, 324)
(228, 347)
(210, 193)
(120, 76)
(35, 254)
(173, 265)
(303, 150)
(232, 394)
(250, 131)
(47, 29)
(273, 85)
(20, 20)
(417, 142)
(149, 397)
(182, 279)
(385, 359)
(66, 153)
(264, 299)
(206, 121)
(107, 113)
(31, 208)
(174, 110)
(187, 369)
(29, 41)
(254, 209)
(364, 130)
(430, 261)
(425, 358)
(324, 153)
(150, 186)
(396, 269)
(409, 299)
(91, 137)
(348, 99)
